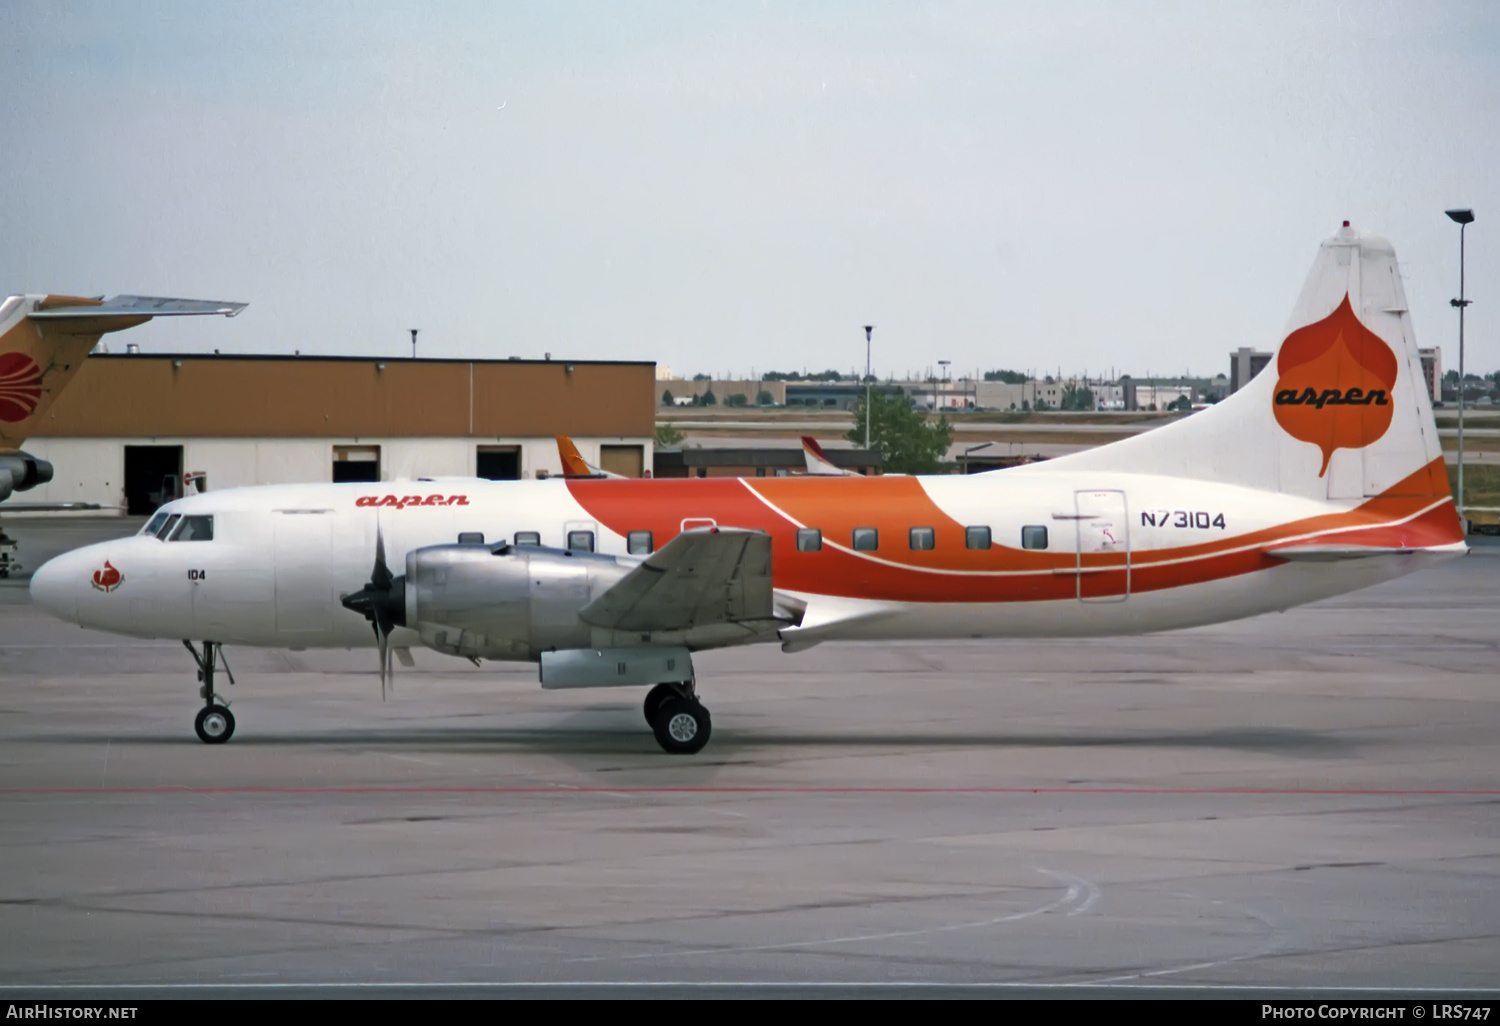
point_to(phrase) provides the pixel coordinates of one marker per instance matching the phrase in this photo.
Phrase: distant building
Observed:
(1244, 364)
(756, 462)
(998, 395)
(135, 430)
(1153, 395)
(945, 395)
(684, 391)
(1432, 371)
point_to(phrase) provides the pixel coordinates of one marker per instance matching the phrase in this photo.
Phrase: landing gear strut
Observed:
(215, 723)
(681, 723)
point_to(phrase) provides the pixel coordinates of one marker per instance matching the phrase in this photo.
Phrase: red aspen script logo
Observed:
(404, 501)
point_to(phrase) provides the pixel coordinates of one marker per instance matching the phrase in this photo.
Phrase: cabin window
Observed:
(866, 539)
(809, 539)
(580, 541)
(528, 538)
(976, 537)
(471, 537)
(1034, 537)
(923, 539)
(194, 529)
(639, 543)
(166, 529)
(155, 524)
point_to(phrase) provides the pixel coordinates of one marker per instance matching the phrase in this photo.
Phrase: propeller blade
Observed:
(382, 602)
(380, 578)
(382, 641)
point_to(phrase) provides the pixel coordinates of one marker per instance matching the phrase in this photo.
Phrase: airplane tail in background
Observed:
(574, 465)
(1342, 411)
(818, 462)
(45, 339)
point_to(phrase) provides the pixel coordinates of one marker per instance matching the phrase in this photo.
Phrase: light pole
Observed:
(413, 342)
(869, 330)
(1462, 218)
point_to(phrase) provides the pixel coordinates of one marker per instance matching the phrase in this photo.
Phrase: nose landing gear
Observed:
(681, 723)
(215, 723)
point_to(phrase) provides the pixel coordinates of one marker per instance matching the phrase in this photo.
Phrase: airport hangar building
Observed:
(134, 430)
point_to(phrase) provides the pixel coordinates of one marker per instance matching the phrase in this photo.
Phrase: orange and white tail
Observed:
(45, 339)
(574, 465)
(1342, 412)
(818, 462)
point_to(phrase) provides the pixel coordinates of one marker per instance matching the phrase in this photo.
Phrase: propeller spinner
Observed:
(382, 601)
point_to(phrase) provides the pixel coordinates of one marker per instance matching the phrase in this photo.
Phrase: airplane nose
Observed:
(54, 587)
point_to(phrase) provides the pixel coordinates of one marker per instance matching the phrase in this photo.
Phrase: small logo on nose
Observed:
(108, 579)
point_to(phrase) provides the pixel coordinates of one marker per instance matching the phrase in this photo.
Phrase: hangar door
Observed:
(1103, 546)
(625, 460)
(153, 477)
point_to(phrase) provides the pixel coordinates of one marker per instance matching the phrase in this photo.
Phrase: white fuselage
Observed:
(282, 557)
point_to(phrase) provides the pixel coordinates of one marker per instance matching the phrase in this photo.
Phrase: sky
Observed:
(736, 187)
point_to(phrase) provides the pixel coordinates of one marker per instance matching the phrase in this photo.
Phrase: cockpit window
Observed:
(155, 524)
(166, 529)
(195, 529)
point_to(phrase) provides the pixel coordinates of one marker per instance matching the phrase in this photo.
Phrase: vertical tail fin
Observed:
(1341, 412)
(818, 462)
(574, 465)
(45, 339)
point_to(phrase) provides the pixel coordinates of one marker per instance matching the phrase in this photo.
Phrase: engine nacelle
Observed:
(22, 471)
(503, 602)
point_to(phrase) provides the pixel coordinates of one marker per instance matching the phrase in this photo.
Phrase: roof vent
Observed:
(132, 349)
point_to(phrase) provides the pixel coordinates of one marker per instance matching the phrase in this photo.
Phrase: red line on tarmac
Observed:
(564, 789)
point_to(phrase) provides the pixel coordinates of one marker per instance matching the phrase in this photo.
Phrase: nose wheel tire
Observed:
(682, 727)
(215, 725)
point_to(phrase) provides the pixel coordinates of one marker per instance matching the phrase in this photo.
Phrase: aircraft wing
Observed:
(706, 575)
(136, 306)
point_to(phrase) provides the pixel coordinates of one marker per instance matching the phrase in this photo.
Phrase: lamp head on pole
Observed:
(869, 328)
(1461, 216)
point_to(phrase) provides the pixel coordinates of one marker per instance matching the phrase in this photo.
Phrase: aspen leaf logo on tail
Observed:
(1334, 385)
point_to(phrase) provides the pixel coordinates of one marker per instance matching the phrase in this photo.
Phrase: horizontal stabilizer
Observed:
(52, 507)
(707, 575)
(138, 306)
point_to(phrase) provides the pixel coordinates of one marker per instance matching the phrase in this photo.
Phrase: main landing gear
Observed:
(680, 722)
(215, 723)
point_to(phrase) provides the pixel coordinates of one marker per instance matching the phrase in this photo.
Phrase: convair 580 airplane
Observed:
(1321, 476)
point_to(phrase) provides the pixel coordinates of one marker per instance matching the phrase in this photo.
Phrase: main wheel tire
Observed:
(655, 697)
(215, 725)
(682, 727)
